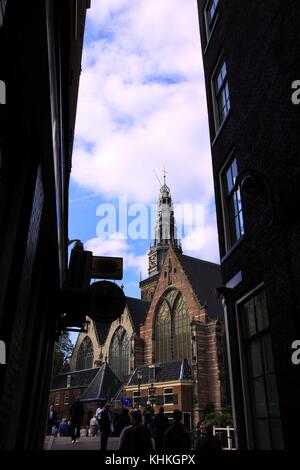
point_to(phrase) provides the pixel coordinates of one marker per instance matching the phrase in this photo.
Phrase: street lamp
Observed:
(139, 377)
(254, 183)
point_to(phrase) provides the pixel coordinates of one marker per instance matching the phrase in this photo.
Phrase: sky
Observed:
(141, 108)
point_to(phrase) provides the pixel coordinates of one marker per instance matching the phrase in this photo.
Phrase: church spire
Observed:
(165, 232)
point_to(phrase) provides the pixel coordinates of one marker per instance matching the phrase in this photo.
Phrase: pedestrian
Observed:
(104, 421)
(93, 426)
(207, 440)
(148, 415)
(159, 426)
(136, 437)
(176, 438)
(63, 428)
(52, 419)
(76, 413)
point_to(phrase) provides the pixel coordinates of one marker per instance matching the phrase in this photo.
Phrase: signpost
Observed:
(152, 394)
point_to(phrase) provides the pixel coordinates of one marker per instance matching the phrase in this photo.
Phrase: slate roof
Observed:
(138, 310)
(204, 278)
(104, 385)
(79, 378)
(102, 330)
(174, 370)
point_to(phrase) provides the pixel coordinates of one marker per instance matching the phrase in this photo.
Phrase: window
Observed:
(221, 98)
(66, 398)
(168, 396)
(172, 328)
(85, 356)
(261, 379)
(211, 11)
(69, 378)
(232, 205)
(2, 11)
(57, 398)
(2, 92)
(119, 353)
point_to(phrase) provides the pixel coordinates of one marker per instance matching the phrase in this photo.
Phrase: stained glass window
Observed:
(172, 328)
(119, 353)
(163, 334)
(85, 356)
(182, 330)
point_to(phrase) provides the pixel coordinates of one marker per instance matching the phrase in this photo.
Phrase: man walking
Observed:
(104, 420)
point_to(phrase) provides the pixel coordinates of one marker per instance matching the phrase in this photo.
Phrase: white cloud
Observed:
(142, 106)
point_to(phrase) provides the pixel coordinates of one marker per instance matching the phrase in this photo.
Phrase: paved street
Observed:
(85, 443)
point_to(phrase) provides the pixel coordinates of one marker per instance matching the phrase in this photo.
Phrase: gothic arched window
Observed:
(85, 356)
(119, 353)
(163, 334)
(172, 328)
(182, 330)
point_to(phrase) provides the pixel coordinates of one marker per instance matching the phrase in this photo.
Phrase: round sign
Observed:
(107, 301)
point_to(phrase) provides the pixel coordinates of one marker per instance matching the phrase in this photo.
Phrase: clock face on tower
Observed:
(152, 261)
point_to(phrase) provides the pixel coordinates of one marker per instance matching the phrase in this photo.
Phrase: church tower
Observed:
(165, 232)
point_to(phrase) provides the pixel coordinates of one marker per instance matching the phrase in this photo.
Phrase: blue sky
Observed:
(141, 107)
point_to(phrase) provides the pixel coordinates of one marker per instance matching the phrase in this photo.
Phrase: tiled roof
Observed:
(174, 370)
(138, 310)
(79, 378)
(204, 278)
(104, 385)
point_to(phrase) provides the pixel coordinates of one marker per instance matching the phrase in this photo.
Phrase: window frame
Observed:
(225, 205)
(244, 367)
(217, 93)
(169, 394)
(209, 20)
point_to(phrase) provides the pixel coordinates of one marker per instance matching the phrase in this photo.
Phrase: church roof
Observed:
(173, 370)
(204, 278)
(79, 378)
(102, 330)
(104, 385)
(138, 310)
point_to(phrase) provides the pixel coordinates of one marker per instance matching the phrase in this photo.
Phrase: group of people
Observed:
(136, 429)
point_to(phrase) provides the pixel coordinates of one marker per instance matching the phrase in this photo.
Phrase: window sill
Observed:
(211, 34)
(232, 249)
(221, 128)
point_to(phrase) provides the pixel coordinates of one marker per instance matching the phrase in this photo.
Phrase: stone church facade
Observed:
(171, 342)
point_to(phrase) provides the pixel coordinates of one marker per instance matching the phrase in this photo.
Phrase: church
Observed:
(167, 347)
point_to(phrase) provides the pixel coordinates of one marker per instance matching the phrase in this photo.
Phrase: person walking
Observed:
(52, 420)
(76, 413)
(104, 420)
(136, 437)
(159, 426)
(207, 440)
(176, 438)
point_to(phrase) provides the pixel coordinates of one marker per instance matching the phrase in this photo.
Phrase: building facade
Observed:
(251, 59)
(172, 340)
(40, 61)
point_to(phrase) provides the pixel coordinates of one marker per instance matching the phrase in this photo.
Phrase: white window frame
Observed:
(226, 228)
(66, 398)
(219, 124)
(210, 22)
(169, 394)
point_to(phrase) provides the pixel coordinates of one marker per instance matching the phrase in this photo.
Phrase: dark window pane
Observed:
(255, 359)
(248, 318)
(276, 433)
(267, 353)
(271, 386)
(259, 399)
(262, 434)
(261, 311)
